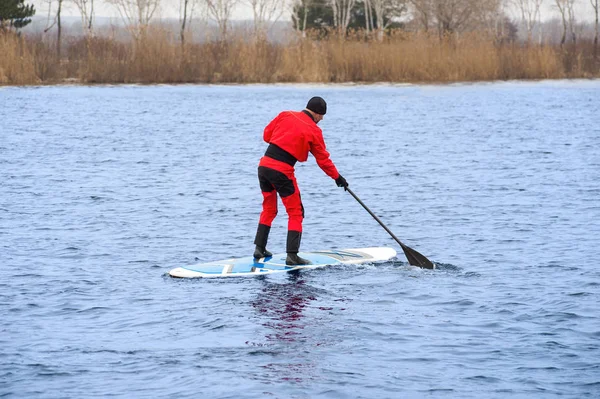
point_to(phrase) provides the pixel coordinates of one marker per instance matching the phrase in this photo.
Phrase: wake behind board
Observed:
(249, 266)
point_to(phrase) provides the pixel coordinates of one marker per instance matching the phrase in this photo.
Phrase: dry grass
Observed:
(17, 61)
(158, 57)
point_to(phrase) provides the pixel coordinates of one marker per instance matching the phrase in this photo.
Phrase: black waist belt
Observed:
(280, 155)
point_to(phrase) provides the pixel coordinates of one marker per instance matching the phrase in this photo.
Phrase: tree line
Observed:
(397, 43)
(374, 17)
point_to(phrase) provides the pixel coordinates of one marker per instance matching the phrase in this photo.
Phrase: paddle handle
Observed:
(376, 218)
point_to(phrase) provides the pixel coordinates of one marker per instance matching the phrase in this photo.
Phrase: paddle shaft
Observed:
(414, 257)
(375, 217)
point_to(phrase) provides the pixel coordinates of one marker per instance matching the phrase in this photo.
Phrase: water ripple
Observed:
(106, 188)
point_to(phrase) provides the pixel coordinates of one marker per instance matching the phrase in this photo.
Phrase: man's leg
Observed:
(295, 210)
(267, 216)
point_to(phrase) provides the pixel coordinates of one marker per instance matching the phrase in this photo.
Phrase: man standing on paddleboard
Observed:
(291, 136)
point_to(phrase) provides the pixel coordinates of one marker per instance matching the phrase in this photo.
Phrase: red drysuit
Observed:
(291, 135)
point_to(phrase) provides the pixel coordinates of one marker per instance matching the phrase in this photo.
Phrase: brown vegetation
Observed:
(157, 57)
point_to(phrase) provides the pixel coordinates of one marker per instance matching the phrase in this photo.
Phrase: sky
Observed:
(243, 10)
(169, 9)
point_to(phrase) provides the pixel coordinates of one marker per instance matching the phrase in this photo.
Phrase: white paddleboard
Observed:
(249, 266)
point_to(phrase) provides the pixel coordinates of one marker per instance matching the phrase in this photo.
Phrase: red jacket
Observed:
(298, 134)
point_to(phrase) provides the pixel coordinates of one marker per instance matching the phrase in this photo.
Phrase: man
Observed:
(291, 136)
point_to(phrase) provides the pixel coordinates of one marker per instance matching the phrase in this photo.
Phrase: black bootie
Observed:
(294, 260)
(261, 253)
(262, 236)
(293, 246)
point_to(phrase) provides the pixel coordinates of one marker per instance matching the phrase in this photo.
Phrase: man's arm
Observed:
(319, 151)
(270, 128)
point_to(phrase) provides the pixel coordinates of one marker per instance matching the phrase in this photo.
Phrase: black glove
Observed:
(341, 182)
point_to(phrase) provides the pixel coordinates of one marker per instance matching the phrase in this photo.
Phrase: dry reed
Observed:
(17, 61)
(158, 57)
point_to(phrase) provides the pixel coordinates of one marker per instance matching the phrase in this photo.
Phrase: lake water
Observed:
(104, 189)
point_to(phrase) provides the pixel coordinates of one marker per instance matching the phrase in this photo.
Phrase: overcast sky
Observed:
(169, 9)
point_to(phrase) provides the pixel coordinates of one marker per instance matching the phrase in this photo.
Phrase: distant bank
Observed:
(158, 57)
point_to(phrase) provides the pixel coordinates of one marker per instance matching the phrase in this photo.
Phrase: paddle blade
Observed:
(416, 259)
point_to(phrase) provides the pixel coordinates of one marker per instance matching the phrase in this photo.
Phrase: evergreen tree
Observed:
(319, 16)
(15, 14)
(392, 10)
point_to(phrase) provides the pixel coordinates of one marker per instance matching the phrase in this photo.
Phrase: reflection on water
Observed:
(282, 309)
(282, 305)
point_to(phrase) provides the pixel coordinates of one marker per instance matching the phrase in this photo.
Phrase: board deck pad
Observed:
(248, 266)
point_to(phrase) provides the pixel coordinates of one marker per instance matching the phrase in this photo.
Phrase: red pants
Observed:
(277, 177)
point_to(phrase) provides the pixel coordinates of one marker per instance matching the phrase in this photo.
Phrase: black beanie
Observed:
(317, 105)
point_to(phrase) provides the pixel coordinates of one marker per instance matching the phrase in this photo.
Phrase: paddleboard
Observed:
(249, 266)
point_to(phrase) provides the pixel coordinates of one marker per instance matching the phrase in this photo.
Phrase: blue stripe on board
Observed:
(277, 262)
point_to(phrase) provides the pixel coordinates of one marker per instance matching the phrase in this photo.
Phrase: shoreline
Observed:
(77, 83)
(158, 59)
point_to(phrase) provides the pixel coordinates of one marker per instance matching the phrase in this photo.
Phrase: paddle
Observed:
(414, 258)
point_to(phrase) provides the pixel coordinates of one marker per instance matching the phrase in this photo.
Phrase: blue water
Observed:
(104, 189)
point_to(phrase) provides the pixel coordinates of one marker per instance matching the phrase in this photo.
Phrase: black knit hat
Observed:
(317, 105)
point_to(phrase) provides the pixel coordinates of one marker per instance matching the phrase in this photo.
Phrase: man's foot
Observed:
(261, 253)
(294, 260)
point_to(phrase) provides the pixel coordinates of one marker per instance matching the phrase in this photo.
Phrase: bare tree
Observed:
(451, 14)
(497, 19)
(455, 16)
(368, 16)
(299, 11)
(185, 16)
(492, 17)
(530, 14)
(189, 10)
(86, 9)
(567, 14)
(342, 13)
(220, 11)
(186, 12)
(380, 8)
(571, 13)
(562, 9)
(265, 13)
(539, 24)
(424, 11)
(56, 20)
(137, 14)
(595, 6)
